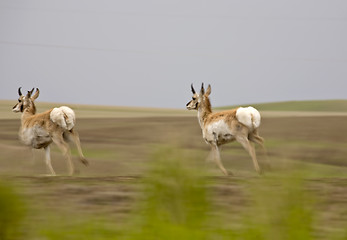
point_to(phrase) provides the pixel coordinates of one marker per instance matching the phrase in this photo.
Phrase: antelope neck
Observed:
(29, 111)
(203, 112)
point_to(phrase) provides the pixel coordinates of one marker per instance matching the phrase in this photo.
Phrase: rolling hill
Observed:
(307, 106)
(299, 108)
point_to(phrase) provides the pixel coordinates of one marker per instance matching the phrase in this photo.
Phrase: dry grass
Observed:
(121, 148)
(95, 111)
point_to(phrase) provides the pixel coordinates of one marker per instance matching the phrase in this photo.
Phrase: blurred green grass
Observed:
(177, 201)
(305, 106)
(12, 212)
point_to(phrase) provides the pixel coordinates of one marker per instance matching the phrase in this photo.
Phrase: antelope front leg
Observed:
(216, 156)
(48, 160)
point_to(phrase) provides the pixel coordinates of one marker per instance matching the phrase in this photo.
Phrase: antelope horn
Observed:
(202, 89)
(19, 91)
(192, 88)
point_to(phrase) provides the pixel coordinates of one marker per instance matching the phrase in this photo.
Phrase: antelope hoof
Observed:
(48, 175)
(52, 173)
(84, 161)
(227, 173)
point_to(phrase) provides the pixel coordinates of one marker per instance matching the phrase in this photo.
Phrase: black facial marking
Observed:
(196, 105)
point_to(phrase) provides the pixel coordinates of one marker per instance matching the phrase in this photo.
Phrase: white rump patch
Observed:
(64, 117)
(248, 116)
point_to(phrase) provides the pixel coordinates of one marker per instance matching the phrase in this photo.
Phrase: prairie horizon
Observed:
(273, 109)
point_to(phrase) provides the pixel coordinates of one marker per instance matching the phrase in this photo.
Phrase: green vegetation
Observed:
(178, 202)
(281, 209)
(175, 202)
(310, 106)
(11, 213)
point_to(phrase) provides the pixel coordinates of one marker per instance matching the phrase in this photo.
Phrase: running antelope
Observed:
(40, 130)
(240, 124)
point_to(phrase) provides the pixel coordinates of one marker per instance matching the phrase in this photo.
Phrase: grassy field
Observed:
(307, 106)
(94, 111)
(148, 178)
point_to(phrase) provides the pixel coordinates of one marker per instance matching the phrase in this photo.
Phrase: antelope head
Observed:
(198, 99)
(25, 101)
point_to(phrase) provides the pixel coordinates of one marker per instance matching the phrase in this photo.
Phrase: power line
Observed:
(181, 15)
(175, 53)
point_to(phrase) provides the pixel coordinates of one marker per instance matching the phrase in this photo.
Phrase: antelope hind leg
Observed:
(251, 150)
(64, 147)
(78, 145)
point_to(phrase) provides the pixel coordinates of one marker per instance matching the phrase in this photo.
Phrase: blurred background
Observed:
(126, 67)
(147, 53)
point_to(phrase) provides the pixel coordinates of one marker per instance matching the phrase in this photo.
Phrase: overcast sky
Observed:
(148, 52)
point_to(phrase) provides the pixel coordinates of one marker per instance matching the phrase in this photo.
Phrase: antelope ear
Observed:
(29, 93)
(202, 91)
(208, 90)
(36, 95)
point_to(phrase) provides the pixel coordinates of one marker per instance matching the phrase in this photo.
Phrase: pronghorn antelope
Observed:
(240, 124)
(40, 130)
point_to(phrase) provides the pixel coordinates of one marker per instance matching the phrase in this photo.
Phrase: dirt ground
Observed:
(121, 146)
(119, 150)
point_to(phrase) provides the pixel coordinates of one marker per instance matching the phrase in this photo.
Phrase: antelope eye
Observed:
(193, 98)
(19, 100)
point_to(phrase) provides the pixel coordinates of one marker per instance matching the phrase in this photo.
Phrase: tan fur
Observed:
(42, 119)
(223, 127)
(228, 116)
(39, 131)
